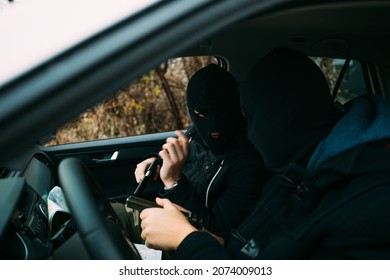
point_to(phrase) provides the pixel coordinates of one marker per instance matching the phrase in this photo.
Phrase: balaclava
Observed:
(288, 106)
(214, 106)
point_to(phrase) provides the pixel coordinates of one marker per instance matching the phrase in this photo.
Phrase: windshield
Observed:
(33, 31)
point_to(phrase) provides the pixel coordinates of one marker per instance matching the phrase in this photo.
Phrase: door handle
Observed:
(106, 157)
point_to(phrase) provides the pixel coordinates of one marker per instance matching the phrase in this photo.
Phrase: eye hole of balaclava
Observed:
(213, 105)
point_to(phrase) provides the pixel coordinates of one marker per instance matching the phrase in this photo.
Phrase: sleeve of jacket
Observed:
(184, 195)
(200, 246)
(239, 190)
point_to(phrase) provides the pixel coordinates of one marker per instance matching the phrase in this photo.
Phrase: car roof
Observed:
(335, 29)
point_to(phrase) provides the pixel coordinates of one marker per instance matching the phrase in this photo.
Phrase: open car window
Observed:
(156, 101)
(153, 103)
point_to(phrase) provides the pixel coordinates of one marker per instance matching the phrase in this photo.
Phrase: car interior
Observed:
(354, 35)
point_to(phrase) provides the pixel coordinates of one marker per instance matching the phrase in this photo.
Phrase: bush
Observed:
(153, 103)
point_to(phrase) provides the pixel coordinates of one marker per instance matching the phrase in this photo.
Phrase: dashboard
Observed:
(25, 225)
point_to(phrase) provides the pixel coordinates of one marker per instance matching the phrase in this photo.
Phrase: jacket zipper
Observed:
(211, 182)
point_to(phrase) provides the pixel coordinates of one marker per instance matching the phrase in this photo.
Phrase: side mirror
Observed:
(47, 138)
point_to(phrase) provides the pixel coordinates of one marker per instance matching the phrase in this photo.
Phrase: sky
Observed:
(32, 31)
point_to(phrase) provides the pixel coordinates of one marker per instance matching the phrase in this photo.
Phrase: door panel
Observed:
(115, 175)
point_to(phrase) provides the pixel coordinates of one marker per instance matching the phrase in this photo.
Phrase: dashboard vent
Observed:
(7, 173)
(43, 160)
(3, 172)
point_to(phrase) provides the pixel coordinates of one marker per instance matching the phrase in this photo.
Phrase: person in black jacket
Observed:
(212, 170)
(329, 196)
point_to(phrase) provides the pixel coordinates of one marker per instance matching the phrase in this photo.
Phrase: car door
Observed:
(137, 121)
(113, 161)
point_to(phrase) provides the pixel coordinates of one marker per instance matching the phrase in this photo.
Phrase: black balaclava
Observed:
(213, 92)
(288, 106)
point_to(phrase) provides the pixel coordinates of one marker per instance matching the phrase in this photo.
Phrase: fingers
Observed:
(180, 208)
(176, 148)
(164, 228)
(164, 203)
(144, 214)
(172, 151)
(181, 136)
(141, 168)
(160, 201)
(183, 139)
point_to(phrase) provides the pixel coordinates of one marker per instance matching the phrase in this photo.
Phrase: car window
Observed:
(344, 85)
(153, 103)
(156, 101)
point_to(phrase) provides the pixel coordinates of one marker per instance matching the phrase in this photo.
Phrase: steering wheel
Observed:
(96, 221)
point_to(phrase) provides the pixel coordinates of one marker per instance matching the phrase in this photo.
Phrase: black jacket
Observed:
(221, 189)
(337, 207)
(340, 212)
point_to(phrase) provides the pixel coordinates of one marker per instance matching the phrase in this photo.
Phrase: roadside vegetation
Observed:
(153, 103)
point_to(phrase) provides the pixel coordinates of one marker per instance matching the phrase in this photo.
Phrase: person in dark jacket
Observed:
(212, 171)
(329, 196)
